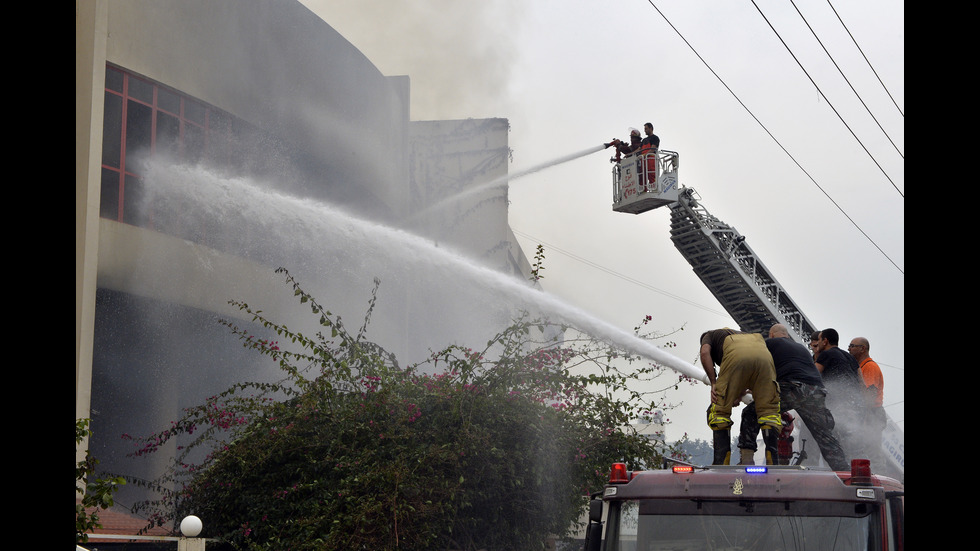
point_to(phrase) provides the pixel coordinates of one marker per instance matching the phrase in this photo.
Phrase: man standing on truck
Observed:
(800, 389)
(815, 344)
(875, 419)
(845, 392)
(745, 363)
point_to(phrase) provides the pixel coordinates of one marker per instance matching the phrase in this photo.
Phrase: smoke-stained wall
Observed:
(458, 51)
(458, 183)
(283, 69)
(157, 344)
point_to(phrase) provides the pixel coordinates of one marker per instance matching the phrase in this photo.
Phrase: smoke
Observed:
(455, 52)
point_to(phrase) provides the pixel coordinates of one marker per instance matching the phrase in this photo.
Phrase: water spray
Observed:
(503, 180)
(361, 246)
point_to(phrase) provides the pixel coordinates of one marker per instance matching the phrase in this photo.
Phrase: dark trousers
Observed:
(809, 402)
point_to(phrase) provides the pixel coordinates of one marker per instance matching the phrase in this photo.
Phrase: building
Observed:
(195, 121)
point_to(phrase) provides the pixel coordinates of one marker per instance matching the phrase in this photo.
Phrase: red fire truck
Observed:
(746, 507)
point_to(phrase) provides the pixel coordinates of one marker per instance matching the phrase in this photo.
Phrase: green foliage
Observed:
(538, 264)
(490, 449)
(96, 492)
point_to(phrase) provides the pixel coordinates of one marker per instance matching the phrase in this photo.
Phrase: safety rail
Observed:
(645, 181)
(723, 260)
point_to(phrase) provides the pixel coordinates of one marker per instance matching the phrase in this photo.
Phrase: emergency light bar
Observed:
(687, 469)
(860, 472)
(619, 474)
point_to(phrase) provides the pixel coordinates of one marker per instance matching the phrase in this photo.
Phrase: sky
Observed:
(787, 136)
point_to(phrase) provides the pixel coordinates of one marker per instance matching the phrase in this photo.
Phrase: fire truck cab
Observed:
(645, 181)
(736, 508)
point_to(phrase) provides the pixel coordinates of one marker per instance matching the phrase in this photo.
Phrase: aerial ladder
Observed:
(730, 269)
(720, 256)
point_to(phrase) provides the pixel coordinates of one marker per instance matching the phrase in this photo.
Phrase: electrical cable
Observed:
(856, 45)
(839, 70)
(639, 283)
(778, 143)
(824, 96)
(617, 274)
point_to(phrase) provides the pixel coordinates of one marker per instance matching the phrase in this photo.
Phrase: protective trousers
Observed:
(745, 364)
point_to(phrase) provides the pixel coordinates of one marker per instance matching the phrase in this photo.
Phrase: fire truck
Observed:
(686, 507)
(725, 263)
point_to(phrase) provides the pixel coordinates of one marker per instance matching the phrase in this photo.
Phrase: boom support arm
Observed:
(723, 260)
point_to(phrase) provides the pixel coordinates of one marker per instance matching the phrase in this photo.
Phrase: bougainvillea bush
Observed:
(473, 449)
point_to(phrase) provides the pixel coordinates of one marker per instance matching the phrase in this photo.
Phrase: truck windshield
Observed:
(738, 526)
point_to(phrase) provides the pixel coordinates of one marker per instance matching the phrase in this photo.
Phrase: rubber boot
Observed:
(747, 456)
(770, 437)
(722, 440)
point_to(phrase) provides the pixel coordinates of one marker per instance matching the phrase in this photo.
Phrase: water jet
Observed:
(502, 181)
(458, 298)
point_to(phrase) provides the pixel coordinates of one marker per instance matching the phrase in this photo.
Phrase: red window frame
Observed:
(119, 171)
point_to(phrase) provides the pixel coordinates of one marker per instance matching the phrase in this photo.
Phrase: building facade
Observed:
(217, 140)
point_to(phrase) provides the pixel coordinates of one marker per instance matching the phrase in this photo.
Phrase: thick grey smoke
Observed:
(455, 52)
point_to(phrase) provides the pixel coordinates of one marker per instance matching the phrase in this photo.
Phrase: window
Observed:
(144, 118)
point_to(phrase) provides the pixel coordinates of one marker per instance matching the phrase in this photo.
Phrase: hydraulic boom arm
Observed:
(723, 260)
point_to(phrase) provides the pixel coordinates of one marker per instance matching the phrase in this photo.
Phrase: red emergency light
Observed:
(860, 471)
(682, 469)
(619, 474)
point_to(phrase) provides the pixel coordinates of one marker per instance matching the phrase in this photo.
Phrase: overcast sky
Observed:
(572, 74)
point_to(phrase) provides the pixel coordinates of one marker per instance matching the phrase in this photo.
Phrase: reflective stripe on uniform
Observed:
(717, 421)
(771, 420)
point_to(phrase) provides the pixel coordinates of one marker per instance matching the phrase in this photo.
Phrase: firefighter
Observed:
(649, 145)
(622, 148)
(651, 142)
(744, 363)
(802, 389)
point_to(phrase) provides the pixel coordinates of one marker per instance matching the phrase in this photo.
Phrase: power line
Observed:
(890, 366)
(832, 108)
(788, 154)
(617, 274)
(866, 59)
(639, 283)
(839, 70)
